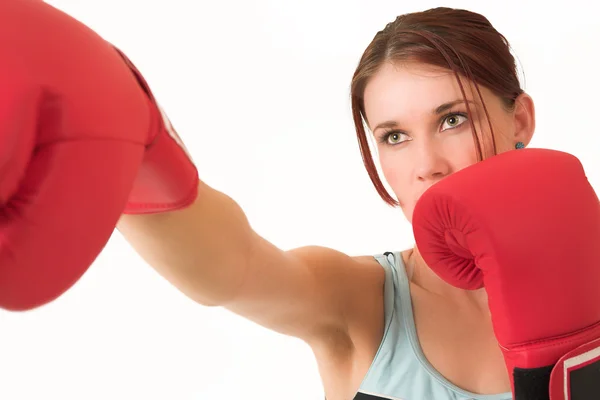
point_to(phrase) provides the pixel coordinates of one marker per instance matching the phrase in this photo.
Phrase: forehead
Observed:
(398, 91)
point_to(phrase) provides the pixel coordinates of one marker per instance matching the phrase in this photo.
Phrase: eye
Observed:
(394, 137)
(453, 120)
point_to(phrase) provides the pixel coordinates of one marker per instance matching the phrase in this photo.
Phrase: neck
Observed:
(422, 276)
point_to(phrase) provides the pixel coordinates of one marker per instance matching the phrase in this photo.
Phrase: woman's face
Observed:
(418, 117)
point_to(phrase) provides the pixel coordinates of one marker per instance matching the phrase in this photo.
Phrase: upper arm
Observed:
(210, 253)
(313, 293)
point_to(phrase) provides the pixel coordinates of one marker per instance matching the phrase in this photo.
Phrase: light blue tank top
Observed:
(400, 370)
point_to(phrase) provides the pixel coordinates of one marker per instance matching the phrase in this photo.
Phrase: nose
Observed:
(430, 163)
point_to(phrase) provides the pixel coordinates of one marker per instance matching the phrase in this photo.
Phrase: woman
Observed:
(385, 325)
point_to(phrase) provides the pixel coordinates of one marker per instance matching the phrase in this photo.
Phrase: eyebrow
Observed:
(437, 111)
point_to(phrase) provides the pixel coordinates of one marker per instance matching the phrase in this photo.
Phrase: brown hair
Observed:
(455, 39)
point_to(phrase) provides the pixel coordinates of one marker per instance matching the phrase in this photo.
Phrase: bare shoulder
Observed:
(355, 284)
(333, 261)
(354, 280)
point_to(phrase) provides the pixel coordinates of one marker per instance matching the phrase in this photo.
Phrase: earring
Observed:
(519, 145)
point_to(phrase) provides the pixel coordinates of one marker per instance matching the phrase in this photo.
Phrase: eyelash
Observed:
(385, 136)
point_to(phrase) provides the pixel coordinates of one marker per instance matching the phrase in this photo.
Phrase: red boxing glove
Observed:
(75, 121)
(167, 179)
(526, 225)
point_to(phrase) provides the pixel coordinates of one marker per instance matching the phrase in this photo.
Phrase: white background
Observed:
(259, 91)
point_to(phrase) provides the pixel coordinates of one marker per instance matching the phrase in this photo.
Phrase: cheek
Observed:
(503, 131)
(503, 139)
(403, 187)
(396, 173)
(460, 151)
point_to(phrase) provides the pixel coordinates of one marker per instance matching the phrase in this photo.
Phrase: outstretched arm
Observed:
(210, 252)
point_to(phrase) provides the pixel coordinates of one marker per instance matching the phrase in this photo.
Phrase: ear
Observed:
(524, 119)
